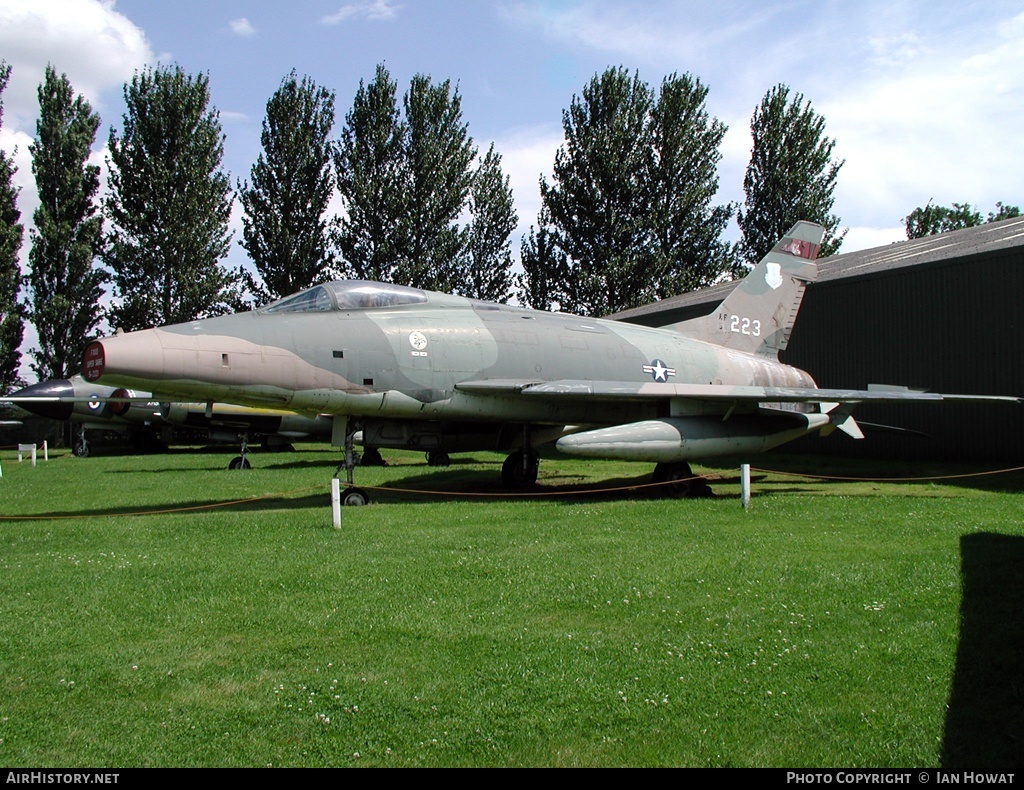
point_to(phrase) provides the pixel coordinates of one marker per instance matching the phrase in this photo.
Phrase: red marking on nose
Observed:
(93, 361)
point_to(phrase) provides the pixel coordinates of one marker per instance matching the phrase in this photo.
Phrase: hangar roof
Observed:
(956, 244)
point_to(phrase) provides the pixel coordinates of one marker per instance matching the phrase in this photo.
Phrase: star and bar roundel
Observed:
(659, 370)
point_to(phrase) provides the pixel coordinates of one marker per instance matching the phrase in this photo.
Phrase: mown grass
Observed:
(822, 627)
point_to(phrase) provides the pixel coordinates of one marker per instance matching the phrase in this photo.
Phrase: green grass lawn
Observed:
(832, 624)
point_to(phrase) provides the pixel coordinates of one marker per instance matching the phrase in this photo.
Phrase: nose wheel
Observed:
(354, 497)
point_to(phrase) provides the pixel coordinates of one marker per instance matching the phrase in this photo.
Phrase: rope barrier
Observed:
(163, 511)
(890, 479)
(516, 494)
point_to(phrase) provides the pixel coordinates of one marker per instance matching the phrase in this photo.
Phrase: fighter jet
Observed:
(415, 369)
(147, 422)
(89, 408)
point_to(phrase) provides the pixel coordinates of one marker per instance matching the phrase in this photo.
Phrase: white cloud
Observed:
(865, 238)
(923, 103)
(945, 125)
(526, 153)
(98, 48)
(88, 40)
(242, 27)
(232, 116)
(896, 50)
(375, 10)
(736, 41)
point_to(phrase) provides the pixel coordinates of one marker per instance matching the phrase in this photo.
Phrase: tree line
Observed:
(628, 215)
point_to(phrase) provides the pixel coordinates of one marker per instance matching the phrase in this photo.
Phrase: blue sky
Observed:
(924, 99)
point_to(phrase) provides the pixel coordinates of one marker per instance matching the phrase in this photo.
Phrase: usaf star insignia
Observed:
(659, 370)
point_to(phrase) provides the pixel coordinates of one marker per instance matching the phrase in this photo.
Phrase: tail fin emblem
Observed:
(773, 276)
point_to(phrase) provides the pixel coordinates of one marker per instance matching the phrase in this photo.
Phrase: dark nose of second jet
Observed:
(51, 407)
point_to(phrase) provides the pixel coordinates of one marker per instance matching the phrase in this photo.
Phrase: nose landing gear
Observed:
(344, 435)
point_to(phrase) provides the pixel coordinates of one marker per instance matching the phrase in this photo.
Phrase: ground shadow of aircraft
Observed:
(408, 368)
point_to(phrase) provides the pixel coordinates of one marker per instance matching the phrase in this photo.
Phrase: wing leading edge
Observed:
(710, 393)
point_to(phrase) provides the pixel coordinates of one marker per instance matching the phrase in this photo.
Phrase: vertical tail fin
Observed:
(758, 316)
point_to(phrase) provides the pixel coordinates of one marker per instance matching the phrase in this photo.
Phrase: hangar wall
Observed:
(954, 326)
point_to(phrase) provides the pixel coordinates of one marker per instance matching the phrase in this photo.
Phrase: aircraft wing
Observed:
(76, 399)
(710, 393)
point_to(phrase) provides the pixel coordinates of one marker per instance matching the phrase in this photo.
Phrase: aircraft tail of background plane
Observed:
(758, 316)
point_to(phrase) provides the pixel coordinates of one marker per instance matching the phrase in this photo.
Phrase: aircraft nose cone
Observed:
(135, 354)
(52, 409)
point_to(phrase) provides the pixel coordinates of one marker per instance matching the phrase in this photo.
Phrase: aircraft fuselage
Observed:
(407, 361)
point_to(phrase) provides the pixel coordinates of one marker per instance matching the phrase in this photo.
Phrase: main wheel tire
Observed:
(679, 482)
(438, 458)
(80, 448)
(238, 462)
(371, 457)
(520, 469)
(354, 497)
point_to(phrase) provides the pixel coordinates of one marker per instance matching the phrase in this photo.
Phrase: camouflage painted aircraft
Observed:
(146, 421)
(415, 369)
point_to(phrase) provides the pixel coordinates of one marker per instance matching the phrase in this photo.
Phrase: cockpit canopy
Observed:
(346, 295)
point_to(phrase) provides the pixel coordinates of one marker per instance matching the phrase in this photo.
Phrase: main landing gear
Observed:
(80, 445)
(241, 461)
(520, 469)
(351, 496)
(438, 458)
(678, 481)
(371, 457)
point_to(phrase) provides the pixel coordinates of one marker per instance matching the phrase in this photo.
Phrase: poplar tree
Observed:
(407, 181)
(686, 224)
(629, 215)
(371, 176)
(285, 225)
(488, 265)
(65, 284)
(791, 175)
(169, 204)
(438, 155)
(12, 312)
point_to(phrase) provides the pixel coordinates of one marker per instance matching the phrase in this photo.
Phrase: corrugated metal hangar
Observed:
(943, 313)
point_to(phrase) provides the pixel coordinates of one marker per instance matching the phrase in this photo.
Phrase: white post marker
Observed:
(46, 451)
(745, 485)
(336, 502)
(27, 448)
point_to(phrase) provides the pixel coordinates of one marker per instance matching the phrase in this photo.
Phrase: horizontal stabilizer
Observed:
(841, 417)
